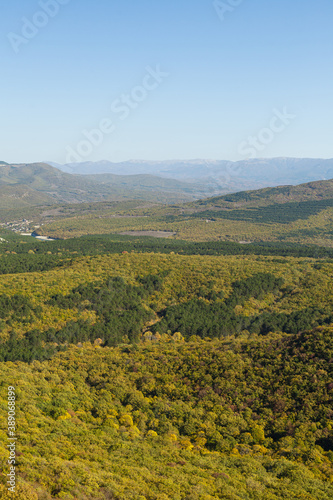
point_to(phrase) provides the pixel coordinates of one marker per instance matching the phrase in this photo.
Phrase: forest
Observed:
(204, 419)
(300, 215)
(282, 214)
(156, 369)
(166, 250)
(17, 255)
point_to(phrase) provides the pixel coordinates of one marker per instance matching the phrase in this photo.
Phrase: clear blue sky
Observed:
(226, 76)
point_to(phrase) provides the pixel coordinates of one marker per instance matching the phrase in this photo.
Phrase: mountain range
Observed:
(24, 185)
(217, 175)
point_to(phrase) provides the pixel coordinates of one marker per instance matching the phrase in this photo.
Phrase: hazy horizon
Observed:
(189, 160)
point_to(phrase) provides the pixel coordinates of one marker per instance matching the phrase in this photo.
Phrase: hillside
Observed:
(78, 280)
(47, 181)
(295, 214)
(155, 376)
(144, 181)
(177, 421)
(49, 185)
(311, 191)
(20, 196)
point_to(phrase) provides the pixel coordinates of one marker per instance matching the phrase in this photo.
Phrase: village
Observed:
(24, 228)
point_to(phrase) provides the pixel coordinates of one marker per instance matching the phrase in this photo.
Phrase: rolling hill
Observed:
(40, 183)
(19, 196)
(166, 369)
(311, 191)
(165, 182)
(75, 205)
(294, 214)
(230, 399)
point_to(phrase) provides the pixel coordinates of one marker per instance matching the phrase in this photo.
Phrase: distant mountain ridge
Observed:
(39, 183)
(23, 185)
(218, 175)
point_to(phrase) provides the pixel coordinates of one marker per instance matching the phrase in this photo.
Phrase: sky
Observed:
(90, 80)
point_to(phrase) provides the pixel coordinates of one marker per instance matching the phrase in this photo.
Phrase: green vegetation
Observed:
(217, 319)
(121, 312)
(26, 263)
(280, 213)
(294, 214)
(28, 185)
(19, 197)
(317, 190)
(33, 255)
(205, 420)
(164, 369)
(109, 408)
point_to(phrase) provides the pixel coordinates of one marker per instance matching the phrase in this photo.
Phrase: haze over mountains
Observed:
(39, 183)
(218, 175)
(23, 185)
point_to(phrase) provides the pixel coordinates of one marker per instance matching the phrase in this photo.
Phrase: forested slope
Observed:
(118, 297)
(199, 420)
(294, 214)
(150, 370)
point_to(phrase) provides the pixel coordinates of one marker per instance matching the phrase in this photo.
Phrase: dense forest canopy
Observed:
(229, 419)
(161, 369)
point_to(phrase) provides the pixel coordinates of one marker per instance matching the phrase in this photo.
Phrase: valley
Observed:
(292, 214)
(166, 250)
(170, 350)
